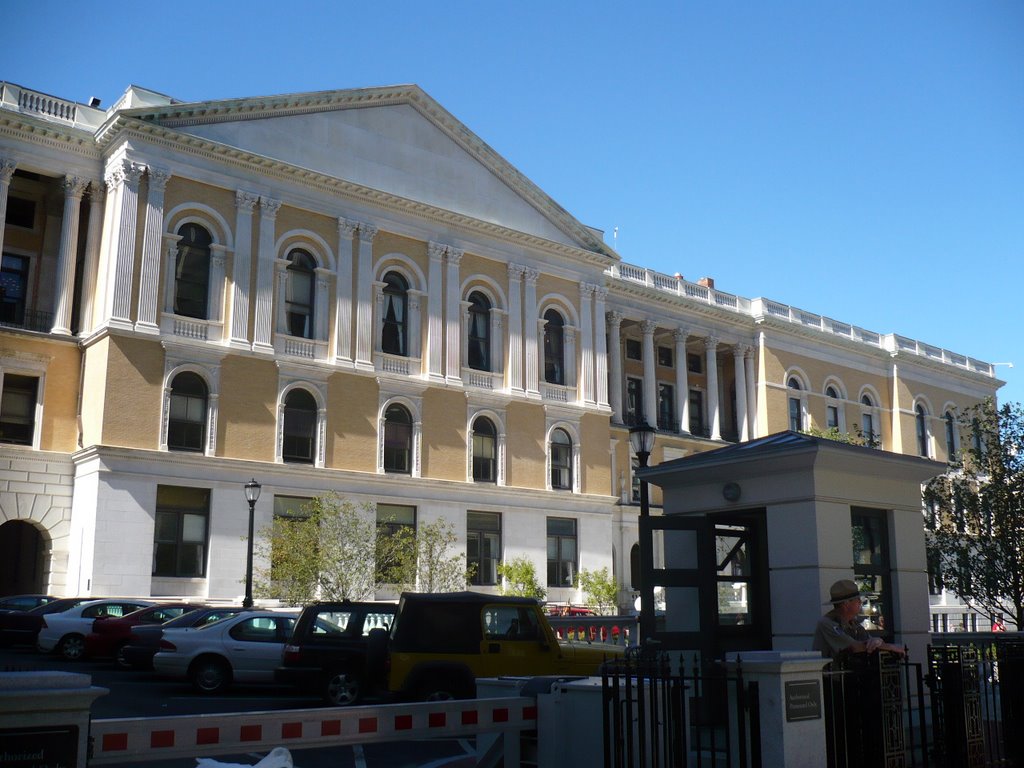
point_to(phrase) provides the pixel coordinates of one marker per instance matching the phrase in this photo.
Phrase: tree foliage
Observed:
(856, 437)
(427, 559)
(519, 578)
(599, 590)
(975, 512)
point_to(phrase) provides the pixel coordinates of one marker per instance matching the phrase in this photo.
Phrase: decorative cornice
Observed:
(26, 128)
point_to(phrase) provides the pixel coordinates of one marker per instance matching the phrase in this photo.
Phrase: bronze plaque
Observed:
(803, 700)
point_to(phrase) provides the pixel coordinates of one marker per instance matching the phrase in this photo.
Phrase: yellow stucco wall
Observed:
(352, 422)
(444, 435)
(248, 418)
(594, 454)
(59, 397)
(134, 384)
(94, 391)
(525, 445)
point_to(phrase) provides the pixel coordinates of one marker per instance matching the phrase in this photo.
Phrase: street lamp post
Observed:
(641, 438)
(252, 495)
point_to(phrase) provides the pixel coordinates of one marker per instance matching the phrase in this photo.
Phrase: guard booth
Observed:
(753, 534)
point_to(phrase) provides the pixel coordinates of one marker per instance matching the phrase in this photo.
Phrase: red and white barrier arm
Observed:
(138, 739)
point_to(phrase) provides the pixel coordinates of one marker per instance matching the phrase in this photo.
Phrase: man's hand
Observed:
(873, 644)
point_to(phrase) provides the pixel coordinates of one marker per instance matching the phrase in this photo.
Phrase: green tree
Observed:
(856, 437)
(975, 512)
(519, 578)
(427, 560)
(599, 590)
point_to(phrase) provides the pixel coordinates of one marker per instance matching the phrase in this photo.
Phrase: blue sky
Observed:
(859, 160)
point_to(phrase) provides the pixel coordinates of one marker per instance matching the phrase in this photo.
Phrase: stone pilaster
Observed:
(125, 180)
(7, 166)
(343, 291)
(650, 414)
(265, 269)
(152, 243)
(435, 252)
(74, 188)
(453, 317)
(741, 393)
(600, 347)
(748, 369)
(682, 383)
(585, 390)
(711, 366)
(94, 234)
(531, 342)
(614, 320)
(241, 276)
(365, 298)
(515, 328)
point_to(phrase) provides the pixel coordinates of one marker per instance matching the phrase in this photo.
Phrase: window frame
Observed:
(555, 566)
(481, 534)
(875, 573)
(300, 262)
(289, 413)
(666, 406)
(178, 543)
(478, 459)
(396, 296)
(633, 407)
(565, 469)
(554, 347)
(192, 268)
(479, 321)
(186, 423)
(389, 430)
(7, 394)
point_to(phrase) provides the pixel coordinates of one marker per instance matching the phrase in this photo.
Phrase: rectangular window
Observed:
(393, 520)
(633, 349)
(697, 412)
(871, 567)
(18, 409)
(832, 417)
(21, 212)
(179, 539)
(665, 357)
(869, 430)
(561, 552)
(666, 407)
(795, 414)
(694, 363)
(483, 547)
(13, 288)
(634, 400)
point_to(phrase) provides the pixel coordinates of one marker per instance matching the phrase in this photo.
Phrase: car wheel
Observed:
(210, 675)
(342, 688)
(71, 647)
(119, 657)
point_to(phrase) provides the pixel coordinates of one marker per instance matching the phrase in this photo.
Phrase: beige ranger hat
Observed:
(841, 591)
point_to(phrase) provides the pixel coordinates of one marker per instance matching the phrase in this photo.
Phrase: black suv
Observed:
(338, 649)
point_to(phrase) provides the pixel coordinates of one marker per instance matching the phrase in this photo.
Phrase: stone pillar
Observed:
(364, 298)
(125, 180)
(152, 244)
(650, 413)
(614, 320)
(74, 188)
(569, 340)
(515, 329)
(682, 385)
(97, 195)
(241, 278)
(263, 339)
(585, 390)
(321, 310)
(215, 301)
(740, 378)
(600, 347)
(453, 316)
(711, 365)
(533, 351)
(415, 327)
(170, 270)
(281, 295)
(343, 292)
(748, 357)
(435, 370)
(7, 166)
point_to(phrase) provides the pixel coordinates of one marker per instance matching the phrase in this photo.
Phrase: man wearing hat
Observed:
(839, 632)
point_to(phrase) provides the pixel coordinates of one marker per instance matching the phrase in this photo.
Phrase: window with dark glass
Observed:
(561, 552)
(561, 460)
(665, 357)
(666, 406)
(697, 412)
(397, 440)
(483, 547)
(485, 451)
(634, 411)
(186, 423)
(871, 567)
(831, 409)
(20, 212)
(633, 349)
(950, 435)
(393, 520)
(395, 333)
(734, 573)
(868, 427)
(18, 409)
(479, 332)
(299, 294)
(795, 408)
(554, 347)
(192, 271)
(180, 531)
(920, 418)
(298, 445)
(694, 363)
(13, 288)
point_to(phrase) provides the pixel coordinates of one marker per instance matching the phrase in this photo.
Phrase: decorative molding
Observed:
(454, 255)
(435, 251)
(7, 166)
(346, 228)
(367, 232)
(269, 207)
(158, 178)
(74, 186)
(246, 201)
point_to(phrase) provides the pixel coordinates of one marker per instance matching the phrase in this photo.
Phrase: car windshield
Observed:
(57, 606)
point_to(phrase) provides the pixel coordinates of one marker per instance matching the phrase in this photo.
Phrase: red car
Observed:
(109, 635)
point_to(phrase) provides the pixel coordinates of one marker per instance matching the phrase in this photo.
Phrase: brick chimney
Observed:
(707, 282)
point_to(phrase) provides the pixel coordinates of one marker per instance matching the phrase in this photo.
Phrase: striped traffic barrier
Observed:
(139, 739)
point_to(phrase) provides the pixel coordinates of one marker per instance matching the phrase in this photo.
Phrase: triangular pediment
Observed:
(397, 141)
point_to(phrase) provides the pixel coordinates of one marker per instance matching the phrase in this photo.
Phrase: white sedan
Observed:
(65, 632)
(245, 648)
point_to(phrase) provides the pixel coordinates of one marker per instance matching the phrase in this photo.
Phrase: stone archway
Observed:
(23, 553)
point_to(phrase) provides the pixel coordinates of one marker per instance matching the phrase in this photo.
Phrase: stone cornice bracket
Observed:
(269, 207)
(436, 250)
(515, 271)
(531, 275)
(7, 166)
(454, 255)
(346, 228)
(367, 232)
(587, 289)
(74, 186)
(158, 178)
(246, 201)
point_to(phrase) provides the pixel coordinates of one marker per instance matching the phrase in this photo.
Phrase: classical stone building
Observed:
(349, 291)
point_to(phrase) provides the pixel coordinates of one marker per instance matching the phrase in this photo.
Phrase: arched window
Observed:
(186, 423)
(921, 418)
(950, 420)
(397, 440)
(868, 421)
(554, 347)
(299, 427)
(192, 271)
(832, 408)
(796, 422)
(485, 451)
(395, 334)
(561, 460)
(479, 347)
(299, 294)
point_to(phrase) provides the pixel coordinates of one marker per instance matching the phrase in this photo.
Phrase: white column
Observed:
(415, 323)
(600, 347)
(7, 166)
(119, 297)
(365, 298)
(498, 345)
(515, 328)
(281, 295)
(711, 366)
(265, 268)
(614, 320)
(585, 390)
(453, 316)
(321, 310)
(741, 393)
(569, 340)
(650, 413)
(343, 292)
(170, 270)
(215, 301)
(682, 385)
(152, 245)
(74, 188)
(97, 195)
(435, 251)
(530, 326)
(241, 277)
(748, 356)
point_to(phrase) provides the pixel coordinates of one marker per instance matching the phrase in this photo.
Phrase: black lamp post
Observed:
(641, 438)
(252, 495)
